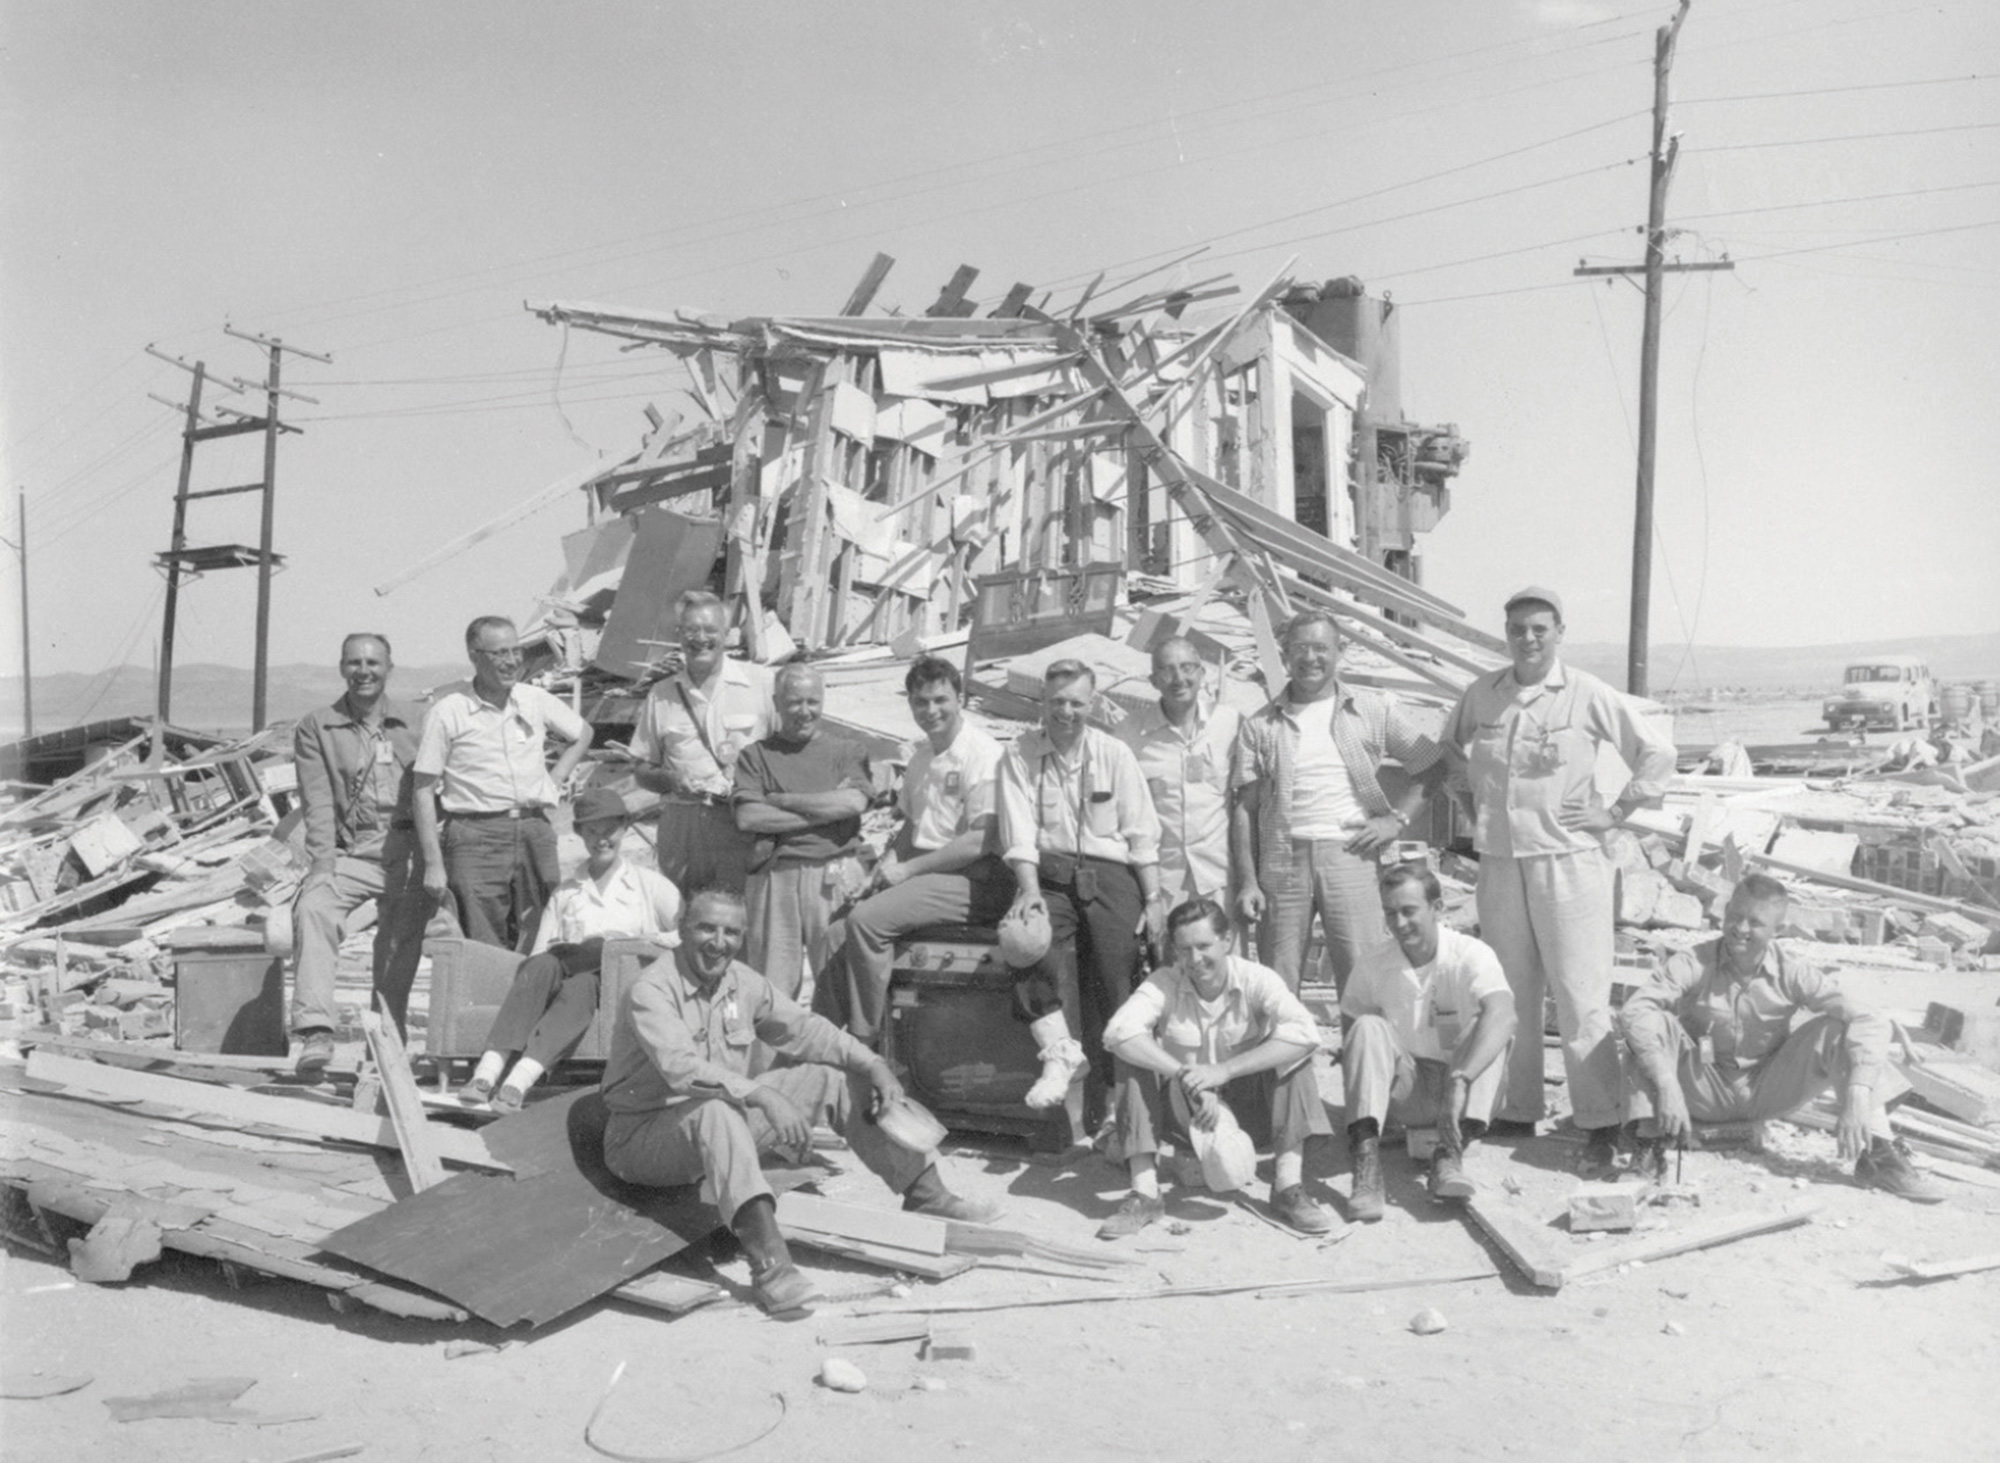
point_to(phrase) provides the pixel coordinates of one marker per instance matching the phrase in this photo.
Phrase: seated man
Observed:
(1220, 1029)
(1712, 1039)
(1427, 1027)
(684, 1107)
(554, 996)
(939, 869)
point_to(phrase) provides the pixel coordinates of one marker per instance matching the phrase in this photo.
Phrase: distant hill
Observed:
(213, 698)
(1810, 668)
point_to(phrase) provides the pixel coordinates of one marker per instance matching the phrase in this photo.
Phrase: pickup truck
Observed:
(1892, 691)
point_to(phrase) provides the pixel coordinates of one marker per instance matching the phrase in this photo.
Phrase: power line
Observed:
(1827, 91)
(1836, 202)
(1847, 137)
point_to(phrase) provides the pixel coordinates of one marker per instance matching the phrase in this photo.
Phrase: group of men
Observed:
(1127, 876)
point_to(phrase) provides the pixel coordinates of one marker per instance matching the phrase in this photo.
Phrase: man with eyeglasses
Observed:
(1183, 747)
(694, 726)
(483, 759)
(1527, 738)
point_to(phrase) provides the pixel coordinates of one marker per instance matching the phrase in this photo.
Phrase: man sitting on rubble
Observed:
(554, 996)
(1712, 1040)
(1428, 1024)
(683, 1106)
(940, 869)
(1213, 1030)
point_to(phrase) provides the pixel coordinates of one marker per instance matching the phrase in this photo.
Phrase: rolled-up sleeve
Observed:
(1647, 1011)
(1404, 740)
(1245, 763)
(1138, 820)
(1646, 750)
(433, 742)
(668, 1043)
(1139, 1015)
(559, 717)
(1018, 823)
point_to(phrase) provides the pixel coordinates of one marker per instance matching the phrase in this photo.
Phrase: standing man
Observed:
(684, 1106)
(690, 732)
(1713, 1040)
(800, 792)
(1427, 1021)
(354, 759)
(1184, 748)
(1311, 818)
(483, 756)
(1213, 1030)
(1078, 829)
(940, 868)
(1529, 734)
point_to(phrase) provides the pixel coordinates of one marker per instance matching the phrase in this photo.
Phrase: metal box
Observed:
(229, 993)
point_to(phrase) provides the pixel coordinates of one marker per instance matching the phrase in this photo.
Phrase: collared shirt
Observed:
(1431, 1008)
(492, 758)
(672, 736)
(354, 779)
(1188, 776)
(1532, 752)
(945, 793)
(1748, 1020)
(628, 901)
(1254, 1007)
(1368, 726)
(675, 1044)
(1092, 801)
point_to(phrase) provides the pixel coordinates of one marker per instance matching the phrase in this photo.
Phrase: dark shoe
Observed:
(1886, 1166)
(1448, 1181)
(948, 1205)
(1366, 1199)
(1649, 1160)
(1600, 1154)
(315, 1055)
(781, 1289)
(1294, 1207)
(1511, 1128)
(1134, 1214)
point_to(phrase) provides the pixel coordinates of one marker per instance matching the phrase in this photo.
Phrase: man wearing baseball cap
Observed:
(1528, 736)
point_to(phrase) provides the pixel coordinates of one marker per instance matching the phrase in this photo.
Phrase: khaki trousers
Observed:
(1383, 1080)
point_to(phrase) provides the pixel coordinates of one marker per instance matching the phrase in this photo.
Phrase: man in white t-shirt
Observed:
(1428, 1024)
(941, 868)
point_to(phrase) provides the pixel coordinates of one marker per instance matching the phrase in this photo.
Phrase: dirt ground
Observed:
(1789, 1345)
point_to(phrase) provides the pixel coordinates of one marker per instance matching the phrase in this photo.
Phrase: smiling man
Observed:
(1713, 1040)
(483, 758)
(1528, 736)
(354, 759)
(1183, 746)
(940, 867)
(1427, 1023)
(684, 1106)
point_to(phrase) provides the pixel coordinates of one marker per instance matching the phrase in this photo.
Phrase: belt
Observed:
(540, 814)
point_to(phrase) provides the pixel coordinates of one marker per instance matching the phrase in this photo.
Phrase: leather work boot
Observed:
(928, 1195)
(1133, 1214)
(1886, 1166)
(315, 1054)
(1366, 1199)
(1600, 1153)
(775, 1282)
(1448, 1181)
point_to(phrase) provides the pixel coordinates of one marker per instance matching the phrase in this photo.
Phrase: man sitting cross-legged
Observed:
(684, 1106)
(1712, 1040)
(1208, 1030)
(1427, 1029)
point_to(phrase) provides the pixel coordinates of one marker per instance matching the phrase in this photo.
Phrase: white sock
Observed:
(489, 1069)
(1288, 1170)
(1145, 1176)
(524, 1074)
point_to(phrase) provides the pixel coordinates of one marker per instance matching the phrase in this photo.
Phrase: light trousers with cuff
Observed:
(1322, 878)
(1384, 1080)
(402, 910)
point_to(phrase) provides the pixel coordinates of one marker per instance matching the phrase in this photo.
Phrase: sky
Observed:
(387, 184)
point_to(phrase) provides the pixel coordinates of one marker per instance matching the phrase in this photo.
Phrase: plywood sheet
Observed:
(672, 552)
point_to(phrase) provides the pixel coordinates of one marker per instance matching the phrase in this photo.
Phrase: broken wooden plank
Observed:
(873, 1330)
(888, 1257)
(1940, 1269)
(1516, 1241)
(414, 1135)
(1703, 1234)
(896, 1228)
(93, 1081)
(1271, 1289)
(986, 1239)
(951, 301)
(674, 1294)
(871, 281)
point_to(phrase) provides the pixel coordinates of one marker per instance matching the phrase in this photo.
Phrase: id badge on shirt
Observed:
(954, 784)
(385, 755)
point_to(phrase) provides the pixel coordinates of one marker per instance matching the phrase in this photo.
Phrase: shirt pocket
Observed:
(737, 1035)
(1180, 1034)
(1102, 813)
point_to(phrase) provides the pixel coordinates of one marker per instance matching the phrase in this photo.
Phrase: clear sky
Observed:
(388, 182)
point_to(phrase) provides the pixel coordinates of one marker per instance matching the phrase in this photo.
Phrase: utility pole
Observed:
(177, 552)
(1655, 269)
(27, 662)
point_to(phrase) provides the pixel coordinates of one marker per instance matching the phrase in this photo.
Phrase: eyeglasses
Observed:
(501, 656)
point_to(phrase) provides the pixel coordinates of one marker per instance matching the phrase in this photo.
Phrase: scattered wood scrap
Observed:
(1529, 1253)
(1940, 1269)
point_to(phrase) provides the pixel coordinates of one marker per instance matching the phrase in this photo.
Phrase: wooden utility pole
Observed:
(20, 548)
(1655, 269)
(177, 550)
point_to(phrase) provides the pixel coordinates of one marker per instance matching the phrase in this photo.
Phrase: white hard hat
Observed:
(1024, 935)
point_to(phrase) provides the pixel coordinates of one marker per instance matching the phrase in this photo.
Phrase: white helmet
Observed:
(1024, 935)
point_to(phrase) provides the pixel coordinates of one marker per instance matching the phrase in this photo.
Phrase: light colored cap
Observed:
(1536, 592)
(1024, 935)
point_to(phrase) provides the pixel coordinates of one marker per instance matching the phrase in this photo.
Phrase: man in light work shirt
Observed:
(1428, 1022)
(1078, 829)
(483, 757)
(941, 868)
(353, 760)
(1184, 746)
(1311, 817)
(1529, 735)
(1208, 1031)
(692, 729)
(1713, 1040)
(800, 792)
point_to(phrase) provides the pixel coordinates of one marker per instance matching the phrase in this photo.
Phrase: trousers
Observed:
(1094, 951)
(791, 905)
(698, 846)
(1548, 918)
(500, 870)
(1321, 878)
(402, 910)
(978, 894)
(1384, 1080)
(550, 1005)
(718, 1142)
(1808, 1062)
(1281, 1107)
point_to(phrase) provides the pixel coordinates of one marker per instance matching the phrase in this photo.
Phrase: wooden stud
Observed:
(406, 1104)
